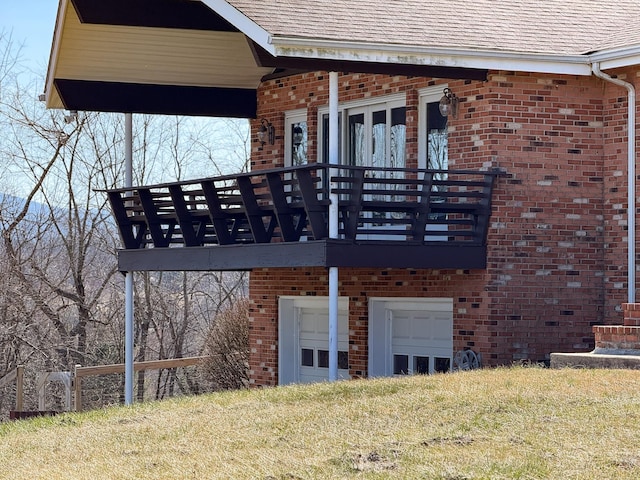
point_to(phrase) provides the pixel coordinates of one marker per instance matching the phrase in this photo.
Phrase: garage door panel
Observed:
(314, 345)
(402, 327)
(422, 340)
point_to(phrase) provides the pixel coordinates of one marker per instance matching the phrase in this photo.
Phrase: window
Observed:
(401, 364)
(420, 365)
(433, 149)
(343, 359)
(307, 357)
(296, 138)
(442, 365)
(433, 137)
(437, 138)
(375, 133)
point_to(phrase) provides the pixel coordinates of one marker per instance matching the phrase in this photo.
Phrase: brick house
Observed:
(500, 228)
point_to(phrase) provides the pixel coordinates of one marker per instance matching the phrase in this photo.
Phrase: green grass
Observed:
(518, 423)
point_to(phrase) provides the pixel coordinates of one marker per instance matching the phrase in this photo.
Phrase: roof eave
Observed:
(49, 90)
(616, 57)
(243, 23)
(294, 47)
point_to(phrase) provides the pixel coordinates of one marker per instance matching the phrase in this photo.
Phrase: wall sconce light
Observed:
(266, 133)
(71, 117)
(63, 138)
(449, 104)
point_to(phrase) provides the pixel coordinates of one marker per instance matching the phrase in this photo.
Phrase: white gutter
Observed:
(559, 63)
(322, 49)
(631, 177)
(616, 57)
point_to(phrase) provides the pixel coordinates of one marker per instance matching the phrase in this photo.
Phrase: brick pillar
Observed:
(631, 314)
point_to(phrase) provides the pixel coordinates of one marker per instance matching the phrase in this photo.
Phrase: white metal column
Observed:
(128, 281)
(333, 225)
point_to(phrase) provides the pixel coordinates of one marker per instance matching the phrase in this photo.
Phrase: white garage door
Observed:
(314, 345)
(303, 339)
(422, 341)
(410, 336)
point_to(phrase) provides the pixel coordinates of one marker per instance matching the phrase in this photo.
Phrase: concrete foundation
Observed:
(617, 346)
(594, 360)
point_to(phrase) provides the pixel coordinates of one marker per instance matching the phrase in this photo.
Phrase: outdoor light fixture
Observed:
(42, 97)
(71, 117)
(62, 138)
(298, 136)
(449, 104)
(266, 133)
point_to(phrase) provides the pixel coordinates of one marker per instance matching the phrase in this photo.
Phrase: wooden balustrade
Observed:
(291, 205)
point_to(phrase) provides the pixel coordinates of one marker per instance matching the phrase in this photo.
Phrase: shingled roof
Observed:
(208, 57)
(554, 27)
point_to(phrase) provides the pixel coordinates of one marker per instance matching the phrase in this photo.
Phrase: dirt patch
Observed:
(372, 462)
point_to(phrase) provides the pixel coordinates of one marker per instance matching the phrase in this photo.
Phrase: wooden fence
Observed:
(81, 372)
(16, 375)
(73, 380)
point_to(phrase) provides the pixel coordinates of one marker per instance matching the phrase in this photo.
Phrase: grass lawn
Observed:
(516, 423)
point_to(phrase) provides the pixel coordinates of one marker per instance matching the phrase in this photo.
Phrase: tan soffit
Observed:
(160, 56)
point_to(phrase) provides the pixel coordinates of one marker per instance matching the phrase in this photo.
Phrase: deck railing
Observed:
(291, 205)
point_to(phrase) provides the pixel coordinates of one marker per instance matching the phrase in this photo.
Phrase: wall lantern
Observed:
(298, 136)
(266, 133)
(449, 104)
(71, 117)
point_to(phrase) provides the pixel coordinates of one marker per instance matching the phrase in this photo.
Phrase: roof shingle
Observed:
(554, 27)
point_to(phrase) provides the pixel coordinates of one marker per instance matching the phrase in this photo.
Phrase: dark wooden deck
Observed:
(387, 217)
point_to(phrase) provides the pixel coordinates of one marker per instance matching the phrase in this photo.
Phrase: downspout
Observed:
(333, 225)
(631, 192)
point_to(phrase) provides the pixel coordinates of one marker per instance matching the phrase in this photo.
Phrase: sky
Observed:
(31, 24)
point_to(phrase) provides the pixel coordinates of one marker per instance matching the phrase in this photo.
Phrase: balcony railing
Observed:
(415, 206)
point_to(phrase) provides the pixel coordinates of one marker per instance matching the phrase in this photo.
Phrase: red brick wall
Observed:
(546, 256)
(615, 194)
(631, 314)
(557, 242)
(471, 324)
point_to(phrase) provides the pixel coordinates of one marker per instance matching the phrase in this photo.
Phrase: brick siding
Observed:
(557, 242)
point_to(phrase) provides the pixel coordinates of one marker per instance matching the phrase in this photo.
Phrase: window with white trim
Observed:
(433, 137)
(296, 138)
(374, 130)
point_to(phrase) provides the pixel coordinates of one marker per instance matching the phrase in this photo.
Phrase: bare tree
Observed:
(174, 310)
(61, 302)
(60, 258)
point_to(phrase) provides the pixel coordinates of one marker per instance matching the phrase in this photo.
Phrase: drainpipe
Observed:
(333, 225)
(631, 168)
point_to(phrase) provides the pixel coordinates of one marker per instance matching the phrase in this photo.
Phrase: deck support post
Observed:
(128, 280)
